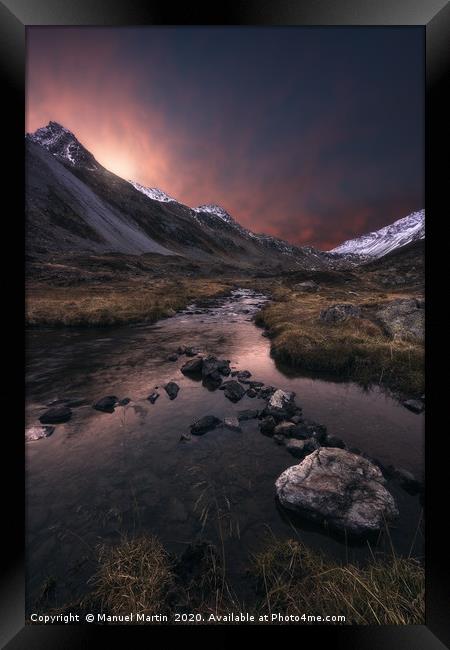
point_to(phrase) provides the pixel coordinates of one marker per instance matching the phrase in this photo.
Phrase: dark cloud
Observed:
(314, 135)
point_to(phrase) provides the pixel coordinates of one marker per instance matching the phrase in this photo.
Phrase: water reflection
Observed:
(101, 475)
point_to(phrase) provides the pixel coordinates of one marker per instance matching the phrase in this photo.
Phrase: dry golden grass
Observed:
(133, 576)
(138, 575)
(295, 580)
(354, 349)
(114, 304)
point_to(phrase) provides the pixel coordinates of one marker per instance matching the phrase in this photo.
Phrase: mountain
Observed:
(380, 242)
(404, 265)
(152, 192)
(74, 204)
(61, 142)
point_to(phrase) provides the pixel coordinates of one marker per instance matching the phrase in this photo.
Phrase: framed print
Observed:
(229, 327)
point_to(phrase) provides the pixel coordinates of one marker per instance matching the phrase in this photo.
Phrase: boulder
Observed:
(233, 390)
(212, 365)
(255, 385)
(124, 401)
(266, 391)
(241, 374)
(285, 429)
(191, 352)
(310, 429)
(36, 433)
(251, 393)
(339, 313)
(300, 448)
(309, 286)
(153, 397)
(172, 357)
(338, 488)
(193, 368)
(172, 389)
(403, 318)
(205, 424)
(408, 481)
(106, 404)
(333, 441)
(414, 405)
(281, 405)
(267, 425)
(232, 424)
(212, 381)
(56, 415)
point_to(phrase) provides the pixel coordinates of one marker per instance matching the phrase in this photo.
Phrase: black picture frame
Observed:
(15, 16)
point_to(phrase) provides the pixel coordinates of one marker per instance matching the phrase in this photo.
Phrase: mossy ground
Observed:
(356, 349)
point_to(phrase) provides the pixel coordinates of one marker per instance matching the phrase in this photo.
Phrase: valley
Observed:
(178, 365)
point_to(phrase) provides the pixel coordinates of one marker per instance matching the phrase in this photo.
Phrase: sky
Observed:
(314, 135)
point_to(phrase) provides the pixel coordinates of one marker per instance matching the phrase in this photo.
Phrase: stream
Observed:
(101, 475)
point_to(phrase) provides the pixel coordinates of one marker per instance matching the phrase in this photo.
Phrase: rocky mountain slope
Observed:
(75, 205)
(380, 242)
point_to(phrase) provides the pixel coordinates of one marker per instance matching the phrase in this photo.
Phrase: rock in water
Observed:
(106, 404)
(212, 371)
(232, 424)
(301, 448)
(206, 423)
(172, 389)
(193, 368)
(191, 352)
(56, 415)
(334, 486)
(36, 433)
(280, 399)
(233, 390)
(414, 405)
(243, 374)
(333, 441)
(285, 429)
(267, 425)
(281, 405)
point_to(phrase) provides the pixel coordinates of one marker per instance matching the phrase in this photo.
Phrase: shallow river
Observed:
(102, 475)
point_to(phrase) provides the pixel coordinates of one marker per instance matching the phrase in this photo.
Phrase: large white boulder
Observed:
(339, 488)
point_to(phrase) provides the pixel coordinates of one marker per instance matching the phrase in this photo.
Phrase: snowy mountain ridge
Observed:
(218, 224)
(152, 192)
(380, 242)
(62, 143)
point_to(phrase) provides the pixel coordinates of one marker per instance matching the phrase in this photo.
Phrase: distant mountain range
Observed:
(383, 241)
(75, 204)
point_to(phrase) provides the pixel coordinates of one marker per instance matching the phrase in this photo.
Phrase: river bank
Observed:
(127, 472)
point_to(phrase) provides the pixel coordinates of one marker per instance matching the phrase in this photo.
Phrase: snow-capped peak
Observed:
(380, 242)
(152, 192)
(62, 143)
(217, 210)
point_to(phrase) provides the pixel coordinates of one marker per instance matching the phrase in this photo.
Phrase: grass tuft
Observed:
(295, 580)
(133, 576)
(356, 349)
(116, 304)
